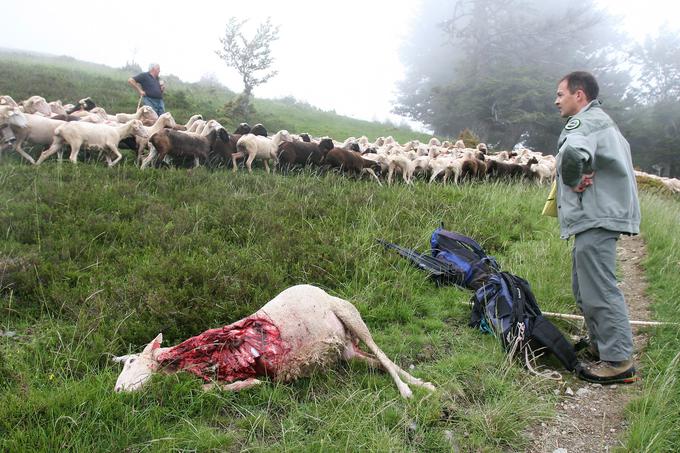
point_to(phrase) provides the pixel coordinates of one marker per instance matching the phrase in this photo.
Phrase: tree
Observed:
(249, 56)
(497, 65)
(658, 62)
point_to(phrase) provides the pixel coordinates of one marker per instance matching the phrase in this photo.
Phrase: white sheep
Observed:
(37, 105)
(57, 108)
(163, 121)
(90, 135)
(256, 146)
(39, 130)
(448, 164)
(299, 331)
(192, 120)
(145, 114)
(13, 122)
(7, 100)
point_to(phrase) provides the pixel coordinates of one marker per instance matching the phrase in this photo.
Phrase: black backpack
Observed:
(505, 306)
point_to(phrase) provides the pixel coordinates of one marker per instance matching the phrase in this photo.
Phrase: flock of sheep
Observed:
(157, 139)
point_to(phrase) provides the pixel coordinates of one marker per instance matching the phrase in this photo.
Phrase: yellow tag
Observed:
(550, 208)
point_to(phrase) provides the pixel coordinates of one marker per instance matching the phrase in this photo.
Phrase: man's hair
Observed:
(582, 80)
(153, 65)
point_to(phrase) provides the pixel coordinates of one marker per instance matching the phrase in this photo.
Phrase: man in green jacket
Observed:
(596, 202)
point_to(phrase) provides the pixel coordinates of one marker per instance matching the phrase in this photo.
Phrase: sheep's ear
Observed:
(155, 343)
(122, 358)
(223, 134)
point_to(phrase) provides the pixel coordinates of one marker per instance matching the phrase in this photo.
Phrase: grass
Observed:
(655, 417)
(97, 261)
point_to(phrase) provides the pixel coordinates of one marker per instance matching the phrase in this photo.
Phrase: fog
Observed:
(342, 56)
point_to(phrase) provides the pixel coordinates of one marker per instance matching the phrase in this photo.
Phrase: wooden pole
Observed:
(580, 318)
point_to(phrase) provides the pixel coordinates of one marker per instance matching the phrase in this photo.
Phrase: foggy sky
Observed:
(334, 55)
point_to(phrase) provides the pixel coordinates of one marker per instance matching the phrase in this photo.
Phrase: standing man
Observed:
(150, 88)
(596, 201)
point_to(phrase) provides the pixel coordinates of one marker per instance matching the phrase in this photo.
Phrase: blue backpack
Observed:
(506, 307)
(471, 265)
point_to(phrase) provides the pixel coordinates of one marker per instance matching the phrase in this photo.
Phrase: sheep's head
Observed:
(87, 104)
(138, 129)
(12, 116)
(147, 115)
(7, 100)
(37, 104)
(57, 108)
(138, 368)
(167, 119)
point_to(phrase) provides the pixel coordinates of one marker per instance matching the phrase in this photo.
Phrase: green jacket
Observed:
(591, 142)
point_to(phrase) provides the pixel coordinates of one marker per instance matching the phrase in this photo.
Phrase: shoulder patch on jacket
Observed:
(572, 124)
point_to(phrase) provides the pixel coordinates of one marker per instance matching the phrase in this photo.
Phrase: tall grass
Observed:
(655, 417)
(97, 261)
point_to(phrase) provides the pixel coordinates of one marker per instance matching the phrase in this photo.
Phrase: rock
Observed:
(8, 334)
(411, 367)
(412, 426)
(569, 391)
(582, 391)
(613, 386)
(560, 450)
(556, 391)
(543, 425)
(597, 386)
(612, 430)
(450, 438)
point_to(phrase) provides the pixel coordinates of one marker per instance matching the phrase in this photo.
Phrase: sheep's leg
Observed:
(234, 156)
(370, 172)
(56, 146)
(197, 162)
(390, 172)
(147, 160)
(75, 147)
(234, 386)
(24, 154)
(249, 162)
(266, 164)
(434, 175)
(351, 319)
(141, 144)
(352, 351)
(114, 150)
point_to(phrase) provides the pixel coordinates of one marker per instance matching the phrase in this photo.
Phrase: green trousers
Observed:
(597, 295)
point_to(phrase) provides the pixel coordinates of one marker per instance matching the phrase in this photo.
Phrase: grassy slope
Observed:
(97, 261)
(23, 75)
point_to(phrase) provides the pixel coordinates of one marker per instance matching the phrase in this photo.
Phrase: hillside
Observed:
(59, 77)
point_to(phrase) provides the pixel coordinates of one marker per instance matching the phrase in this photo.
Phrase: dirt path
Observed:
(589, 417)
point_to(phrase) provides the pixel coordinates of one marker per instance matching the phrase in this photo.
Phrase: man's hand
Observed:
(586, 180)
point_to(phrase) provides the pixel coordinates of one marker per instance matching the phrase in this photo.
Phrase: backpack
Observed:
(505, 306)
(470, 264)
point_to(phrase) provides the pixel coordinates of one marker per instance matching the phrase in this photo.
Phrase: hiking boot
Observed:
(607, 373)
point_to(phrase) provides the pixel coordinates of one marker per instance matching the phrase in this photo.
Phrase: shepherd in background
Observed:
(150, 88)
(597, 201)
